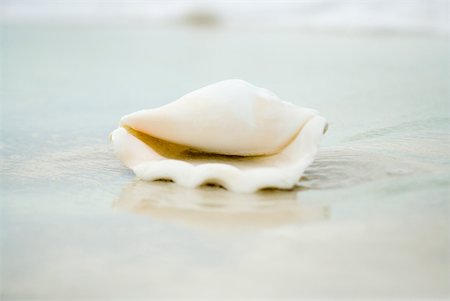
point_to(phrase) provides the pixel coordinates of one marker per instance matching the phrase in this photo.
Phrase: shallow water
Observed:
(370, 218)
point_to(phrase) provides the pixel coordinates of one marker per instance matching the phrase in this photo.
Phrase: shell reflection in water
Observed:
(216, 208)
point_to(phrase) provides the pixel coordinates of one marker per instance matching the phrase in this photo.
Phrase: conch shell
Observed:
(230, 133)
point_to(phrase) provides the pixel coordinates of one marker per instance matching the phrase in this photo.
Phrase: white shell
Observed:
(231, 133)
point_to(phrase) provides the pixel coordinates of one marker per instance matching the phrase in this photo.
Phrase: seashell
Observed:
(230, 133)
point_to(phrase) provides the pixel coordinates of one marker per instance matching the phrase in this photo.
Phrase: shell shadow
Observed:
(215, 208)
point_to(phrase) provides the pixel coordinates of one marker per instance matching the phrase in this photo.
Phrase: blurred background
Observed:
(370, 218)
(408, 16)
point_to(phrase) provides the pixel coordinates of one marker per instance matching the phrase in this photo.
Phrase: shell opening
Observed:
(176, 151)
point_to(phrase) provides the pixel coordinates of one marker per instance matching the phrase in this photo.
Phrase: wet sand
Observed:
(370, 218)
